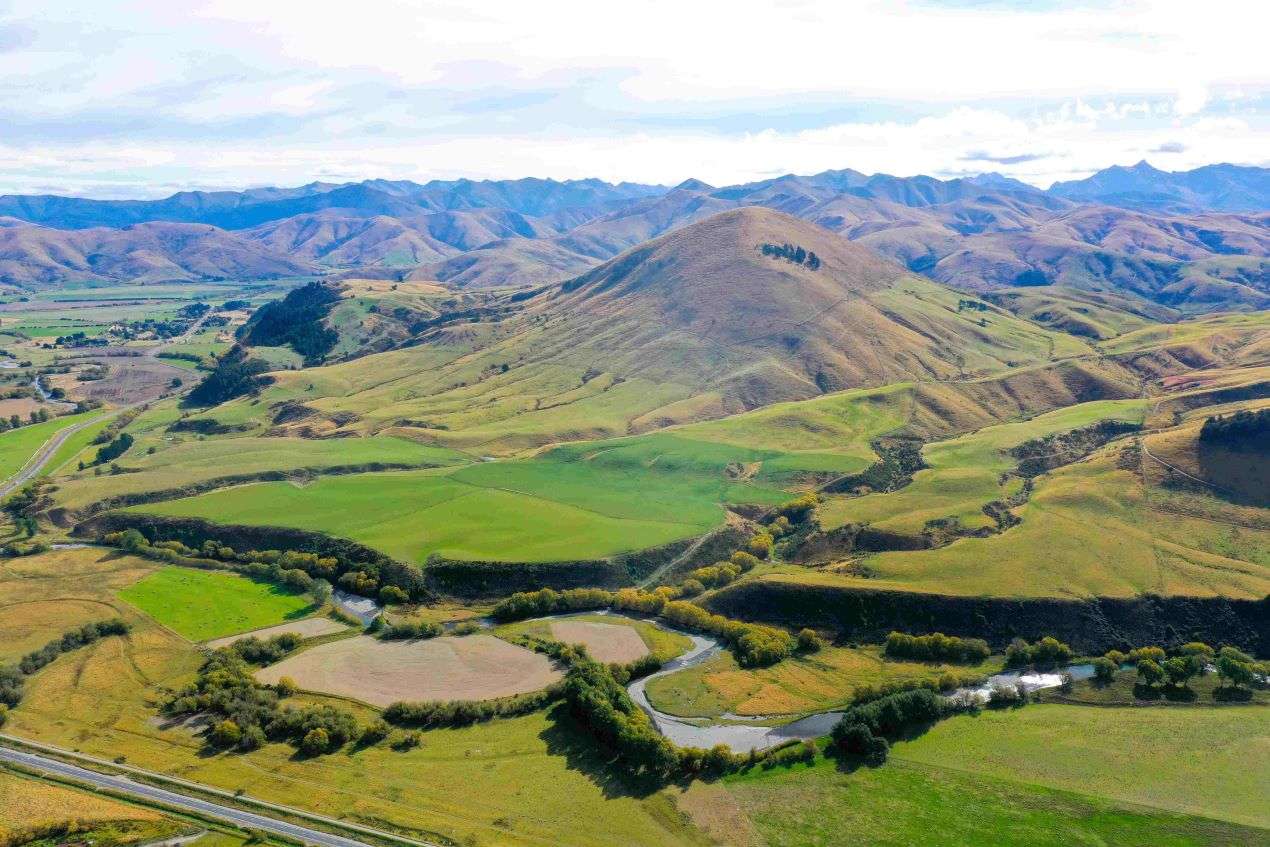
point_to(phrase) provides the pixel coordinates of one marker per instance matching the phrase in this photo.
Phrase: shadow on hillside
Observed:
(564, 737)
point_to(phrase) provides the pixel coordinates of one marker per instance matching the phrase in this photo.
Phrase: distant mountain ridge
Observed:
(1137, 231)
(1223, 188)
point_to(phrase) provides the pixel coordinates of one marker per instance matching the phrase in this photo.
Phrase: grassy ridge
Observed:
(965, 473)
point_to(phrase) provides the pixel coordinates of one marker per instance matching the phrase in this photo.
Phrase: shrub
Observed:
(316, 742)
(745, 561)
(1149, 672)
(226, 734)
(286, 687)
(760, 545)
(391, 595)
(799, 509)
(1153, 654)
(937, 647)
(410, 629)
(691, 587)
(1116, 657)
(1007, 696)
(809, 641)
(1104, 669)
(253, 738)
(1045, 652)
(373, 733)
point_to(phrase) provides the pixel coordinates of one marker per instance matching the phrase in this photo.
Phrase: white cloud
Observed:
(227, 92)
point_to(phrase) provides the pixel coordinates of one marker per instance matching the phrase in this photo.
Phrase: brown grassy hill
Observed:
(34, 255)
(510, 262)
(705, 303)
(693, 325)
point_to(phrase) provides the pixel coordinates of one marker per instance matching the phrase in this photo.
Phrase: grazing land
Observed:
(472, 667)
(913, 802)
(17, 446)
(207, 604)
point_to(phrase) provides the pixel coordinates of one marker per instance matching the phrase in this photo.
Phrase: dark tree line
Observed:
(793, 253)
(296, 321)
(235, 375)
(13, 677)
(1244, 430)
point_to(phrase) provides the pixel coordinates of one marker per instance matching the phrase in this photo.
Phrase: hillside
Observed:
(150, 252)
(693, 325)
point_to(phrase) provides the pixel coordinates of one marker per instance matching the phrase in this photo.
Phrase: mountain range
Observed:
(1196, 240)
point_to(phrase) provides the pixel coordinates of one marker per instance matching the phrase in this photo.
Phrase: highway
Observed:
(172, 799)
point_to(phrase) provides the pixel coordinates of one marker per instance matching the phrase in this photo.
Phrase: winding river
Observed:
(743, 734)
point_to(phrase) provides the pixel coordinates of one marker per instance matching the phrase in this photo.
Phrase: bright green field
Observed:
(529, 514)
(579, 501)
(76, 444)
(183, 459)
(1213, 762)
(906, 802)
(208, 604)
(964, 473)
(18, 445)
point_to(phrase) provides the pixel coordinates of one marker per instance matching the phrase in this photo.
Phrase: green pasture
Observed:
(208, 604)
(181, 459)
(942, 804)
(19, 445)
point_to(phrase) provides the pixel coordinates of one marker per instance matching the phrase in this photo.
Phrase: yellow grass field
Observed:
(473, 667)
(28, 804)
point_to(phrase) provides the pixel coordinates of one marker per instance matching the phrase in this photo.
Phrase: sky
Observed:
(140, 99)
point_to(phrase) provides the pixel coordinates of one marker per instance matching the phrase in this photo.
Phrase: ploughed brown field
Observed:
(605, 642)
(305, 628)
(474, 667)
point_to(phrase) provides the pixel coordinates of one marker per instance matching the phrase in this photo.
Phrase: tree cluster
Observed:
(113, 450)
(937, 647)
(863, 730)
(250, 713)
(467, 712)
(793, 253)
(1245, 430)
(235, 375)
(1046, 652)
(754, 645)
(296, 321)
(291, 568)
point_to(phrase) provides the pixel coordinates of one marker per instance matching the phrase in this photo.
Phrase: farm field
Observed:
(1117, 753)
(471, 667)
(912, 802)
(207, 604)
(532, 510)
(185, 460)
(1089, 529)
(305, 628)
(524, 779)
(811, 683)
(661, 642)
(43, 596)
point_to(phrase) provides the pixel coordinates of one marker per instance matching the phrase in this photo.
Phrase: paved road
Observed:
(42, 456)
(178, 801)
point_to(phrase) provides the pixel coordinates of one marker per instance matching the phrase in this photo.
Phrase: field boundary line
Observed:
(242, 799)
